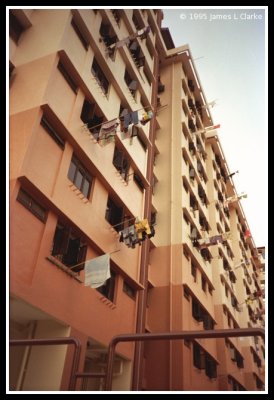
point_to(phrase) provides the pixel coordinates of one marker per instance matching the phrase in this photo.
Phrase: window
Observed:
(259, 383)
(137, 22)
(210, 367)
(129, 290)
(15, 27)
(186, 293)
(67, 76)
(198, 356)
(204, 285)
(108, 37)
(194, 271)
(117, 16)
(108, 289)
(100, 76)
(52, 132)
(197, 311)
(79, 176)
(68, 247)
(27, 201)
(131, 83)
(121, 163)
(114, 215)
(136, 54)
(138, 181)
(79, 33)
(236, 386)
(93, 117)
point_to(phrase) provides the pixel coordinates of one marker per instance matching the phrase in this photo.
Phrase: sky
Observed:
(229, 51)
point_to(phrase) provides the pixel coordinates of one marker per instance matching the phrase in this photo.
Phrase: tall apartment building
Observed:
(71, 194)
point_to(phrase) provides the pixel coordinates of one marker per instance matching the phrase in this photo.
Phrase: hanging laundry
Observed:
(248, 301)
(128, 118)
(142, 227)
(120, 43)
(97, 271)
(129, 236)
(247, 234)
(107, 132)
(142, 33)
(210, 104)
(146, 117)
(234, 198)
(130, 133)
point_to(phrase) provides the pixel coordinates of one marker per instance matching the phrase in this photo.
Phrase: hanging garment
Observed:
(129, 236)
(142, 226)
(142, 33)
(107, 132)
(216, 239)
(97, 271)
(146, 117)
(248, 301)
(204, 242)
(121, 43)
(129, 118)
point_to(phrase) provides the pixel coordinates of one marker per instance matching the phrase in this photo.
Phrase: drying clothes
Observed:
(216, 239)
(121, 43)
(129, 236)
(107, 132)
(204, 242)
(146, 117)
(142, 33)
(248, 301)
(142, 226)
(131, 132)
(128, 118)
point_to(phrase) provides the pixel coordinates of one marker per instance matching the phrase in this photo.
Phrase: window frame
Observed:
(22, 198)
(86, 176)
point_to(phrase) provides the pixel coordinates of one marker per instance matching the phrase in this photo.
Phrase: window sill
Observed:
(67, 270)
(107, 302)
(78, 193)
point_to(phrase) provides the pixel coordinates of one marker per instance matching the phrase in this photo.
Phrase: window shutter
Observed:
(60, 241)
(71, 257)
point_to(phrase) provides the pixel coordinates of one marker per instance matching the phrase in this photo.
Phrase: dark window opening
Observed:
(114, 215)
(117, 16)
(121, 163)
(79, 33)
(129, 290)
(100, 76)
(108, 37)
(15, 27)
(69, 248)
(108, 289)
(27, 201)
(194, 271)
(210, 367)
(205, 253)
(136, 53)
(67, 76)
(138, 181)
(191, 85)
(131, 84)
(79, 176)
(93, 117)
(52, 132)
(137, 22)
(198, 356)
(204, 285)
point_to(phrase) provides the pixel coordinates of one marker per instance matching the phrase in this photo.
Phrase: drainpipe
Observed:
(142, 297)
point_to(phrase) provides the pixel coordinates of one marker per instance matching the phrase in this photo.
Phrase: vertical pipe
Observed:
(141, 310)
(110, 360)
